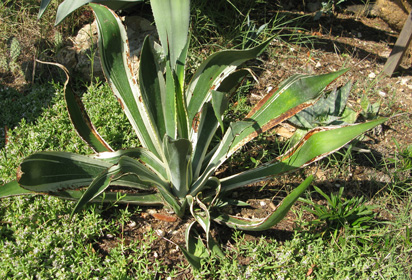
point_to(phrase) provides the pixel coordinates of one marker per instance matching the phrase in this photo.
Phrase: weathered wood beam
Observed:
(400, 47)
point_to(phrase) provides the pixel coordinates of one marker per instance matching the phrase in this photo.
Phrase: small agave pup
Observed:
(175, 124)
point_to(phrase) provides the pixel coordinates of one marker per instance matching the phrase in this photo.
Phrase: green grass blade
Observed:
(272, 219)
(82, 123)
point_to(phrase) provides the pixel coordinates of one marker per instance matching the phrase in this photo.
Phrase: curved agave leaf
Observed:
(219, 155)
(316, 144)
(59, 171)
(13, 188)
(114, 52)
(153, 86)
(99, 184)
(213, 71)
(172, 21)
(132, 166)
(272, 219)
(196, 249)
(43, 6)
(203, 218)
(178, 157)
(55, 171)
(294, 95)
(82, 123)
(118, 197)
(143, 155)
(69, 6)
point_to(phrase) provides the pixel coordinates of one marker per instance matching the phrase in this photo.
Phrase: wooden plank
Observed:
(400, 47)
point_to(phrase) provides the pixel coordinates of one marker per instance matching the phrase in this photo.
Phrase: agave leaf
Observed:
(195, 247)
(58, 171)
(181, 110)
(43, 6)
(203, 130)
(82, 123)
(153, 86)
(294, 95)
(170, 113)
(131, 166)
(213, 71)
(143, 155)
(138, 198)
(219, 103)
(316, 144)
(232, 82)
(272, 219)
(172, 21)
(13, 188)
(99, 184)
(178, 156)
(69, 6)
(54, 171)
(203, 218)
(219, 155)
(327, 110)
(114, 52)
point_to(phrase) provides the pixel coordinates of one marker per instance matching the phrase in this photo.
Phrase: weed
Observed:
(350, 214)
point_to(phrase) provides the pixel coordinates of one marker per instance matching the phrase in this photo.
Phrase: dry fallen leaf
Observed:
(310, 270)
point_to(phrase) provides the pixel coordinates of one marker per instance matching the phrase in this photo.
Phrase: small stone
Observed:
(262, 203)
(110, 236)
(151, 211)
(160, 232)
(132, 224)
(372, 75)
(382, 93)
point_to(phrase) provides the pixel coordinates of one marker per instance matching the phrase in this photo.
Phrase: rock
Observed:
(394, 12)
(83, 52)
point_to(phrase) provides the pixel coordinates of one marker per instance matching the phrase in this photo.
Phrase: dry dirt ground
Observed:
(361, 44)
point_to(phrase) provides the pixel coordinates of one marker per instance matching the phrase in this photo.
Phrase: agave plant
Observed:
(176, 124)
